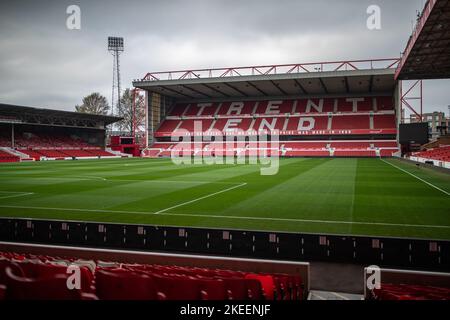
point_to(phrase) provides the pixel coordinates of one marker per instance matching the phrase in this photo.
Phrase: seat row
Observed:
(36, 154)
(44, 277)
(409, 292)
(288, 149)
(441, 154)
(7, 157)
(41, 140)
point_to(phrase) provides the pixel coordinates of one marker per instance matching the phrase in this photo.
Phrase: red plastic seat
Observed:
(51, 288)
(125, 286)
(178, 287)
(237, 288)
(267, 284)
(214, 288)
(8, 264)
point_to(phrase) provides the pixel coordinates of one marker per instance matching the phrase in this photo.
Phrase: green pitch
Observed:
(340, 196)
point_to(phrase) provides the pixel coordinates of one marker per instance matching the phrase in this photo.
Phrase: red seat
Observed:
(15, 268)
(410, 292)
(179, 287)
(50, 288)
(214, 288)
(125, 286)
(237, 289)
(266, 282)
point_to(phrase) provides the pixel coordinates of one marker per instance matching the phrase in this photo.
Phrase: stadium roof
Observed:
(307, 79)
(427, 53)
(29, 115)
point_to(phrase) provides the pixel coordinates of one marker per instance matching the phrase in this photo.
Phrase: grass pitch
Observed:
(340, 196)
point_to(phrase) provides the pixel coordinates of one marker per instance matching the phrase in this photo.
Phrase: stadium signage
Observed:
(298, 106)
(182, 132)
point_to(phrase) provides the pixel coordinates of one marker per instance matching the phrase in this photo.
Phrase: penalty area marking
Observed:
(236, 217)
(413, 175)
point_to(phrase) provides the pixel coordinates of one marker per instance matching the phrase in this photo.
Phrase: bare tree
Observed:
(94, 103)
(125, 111)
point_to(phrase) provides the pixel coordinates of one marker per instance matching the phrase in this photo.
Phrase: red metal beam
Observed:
(404, 98)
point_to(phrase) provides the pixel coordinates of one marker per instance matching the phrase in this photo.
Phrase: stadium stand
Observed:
(398, 284)
(38, 153)
(28, 134)
(366, 121)
(409, 292)
(358, 148)
(23, 276)
(441, 153)
(59, 146)
(7, 157)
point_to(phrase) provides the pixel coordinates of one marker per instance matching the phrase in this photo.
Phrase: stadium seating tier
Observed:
(360, 116)
(25, 276)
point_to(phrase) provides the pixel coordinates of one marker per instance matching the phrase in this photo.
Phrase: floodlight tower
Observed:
(115, 47)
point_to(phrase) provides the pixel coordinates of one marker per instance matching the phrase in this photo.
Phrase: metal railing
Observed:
(390, 63)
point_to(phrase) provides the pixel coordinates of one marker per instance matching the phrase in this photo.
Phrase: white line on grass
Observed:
(91, 178)
(201, 198)
(16, 194)
(75, 209)
(411, 174)
(172, 181)
(236, 217)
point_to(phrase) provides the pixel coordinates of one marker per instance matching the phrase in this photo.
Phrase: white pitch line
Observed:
(236, 217)
(172, 181)
(75, 209)
(18, 194)
(81, 178)
(411, 174)
(201, 198)
(90, 178)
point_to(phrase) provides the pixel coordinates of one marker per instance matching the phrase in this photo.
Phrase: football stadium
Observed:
(239, 183)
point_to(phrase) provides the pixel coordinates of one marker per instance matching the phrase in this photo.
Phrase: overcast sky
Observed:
(44, 64)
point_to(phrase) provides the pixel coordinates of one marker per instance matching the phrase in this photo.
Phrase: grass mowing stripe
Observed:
(201, 198)
(413, 175)
(237, 217)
